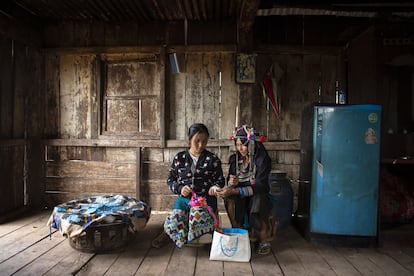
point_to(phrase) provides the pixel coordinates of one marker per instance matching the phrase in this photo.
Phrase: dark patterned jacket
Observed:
(208, 172)
(263, 167)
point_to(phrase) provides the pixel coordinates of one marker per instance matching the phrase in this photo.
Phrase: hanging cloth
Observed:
(269, 88)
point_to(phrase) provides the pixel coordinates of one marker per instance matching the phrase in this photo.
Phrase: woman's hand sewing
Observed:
(213, 190)
(233, 180)
(228, 191)
(186, 191)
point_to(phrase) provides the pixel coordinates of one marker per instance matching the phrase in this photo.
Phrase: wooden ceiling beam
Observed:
(245, 21)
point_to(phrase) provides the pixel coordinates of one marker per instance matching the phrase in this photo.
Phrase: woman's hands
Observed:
(228, 191)
(233, 180)
(186, 191)
(213, 190)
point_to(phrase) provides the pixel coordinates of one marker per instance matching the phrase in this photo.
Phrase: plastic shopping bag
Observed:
(230, 244)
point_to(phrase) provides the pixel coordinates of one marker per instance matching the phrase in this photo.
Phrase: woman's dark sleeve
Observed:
(232, 167)
(218, 178)
(261, 184)
(172, 182)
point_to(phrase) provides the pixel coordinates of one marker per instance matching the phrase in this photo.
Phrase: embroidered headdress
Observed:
(246, 133)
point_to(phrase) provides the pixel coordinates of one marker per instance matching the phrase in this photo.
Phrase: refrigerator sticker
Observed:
(320, 169)
(373, 118)
(370, 136)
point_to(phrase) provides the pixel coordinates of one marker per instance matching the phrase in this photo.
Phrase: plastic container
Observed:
(281, 196)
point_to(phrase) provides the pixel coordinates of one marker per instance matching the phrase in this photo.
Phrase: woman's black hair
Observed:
(197, 128)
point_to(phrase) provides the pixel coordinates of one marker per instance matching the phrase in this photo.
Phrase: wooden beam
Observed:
(203, 48)
(103, 50)
(245, 24)
(140, 49)
(163, 76)
(293, 145)
(297, 50)
(13, 142)
(138, 174)
(271, 145)
(118, 143)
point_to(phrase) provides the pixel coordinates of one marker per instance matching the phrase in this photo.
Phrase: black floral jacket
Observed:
(208, 172)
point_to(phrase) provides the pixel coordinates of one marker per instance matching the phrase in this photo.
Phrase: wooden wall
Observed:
(95, 102)
(97, 120)
(380, 70)
(21, 110)
(82, 159)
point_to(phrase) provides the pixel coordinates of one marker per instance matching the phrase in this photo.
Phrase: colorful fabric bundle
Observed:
(202, 219)
(176, 226)
(184, 226)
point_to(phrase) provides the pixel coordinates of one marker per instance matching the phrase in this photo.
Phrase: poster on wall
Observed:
(245, 68)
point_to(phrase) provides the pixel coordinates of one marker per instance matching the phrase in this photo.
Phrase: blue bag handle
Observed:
(229, 230)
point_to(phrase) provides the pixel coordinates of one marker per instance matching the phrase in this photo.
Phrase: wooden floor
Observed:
(27, 249)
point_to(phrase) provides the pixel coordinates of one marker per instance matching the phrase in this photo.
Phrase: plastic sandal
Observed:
(263, 248)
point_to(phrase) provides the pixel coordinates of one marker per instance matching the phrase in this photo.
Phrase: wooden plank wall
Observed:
(80, 165)
(20, 121)
(7, 91)
(78, 172)
(12, 167)
(79, 161)
(51, 105)
(195, 95)
(73, 169)
(300, 74)
(381, 72)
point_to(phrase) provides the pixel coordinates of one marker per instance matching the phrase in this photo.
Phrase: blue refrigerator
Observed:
(344, 189)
